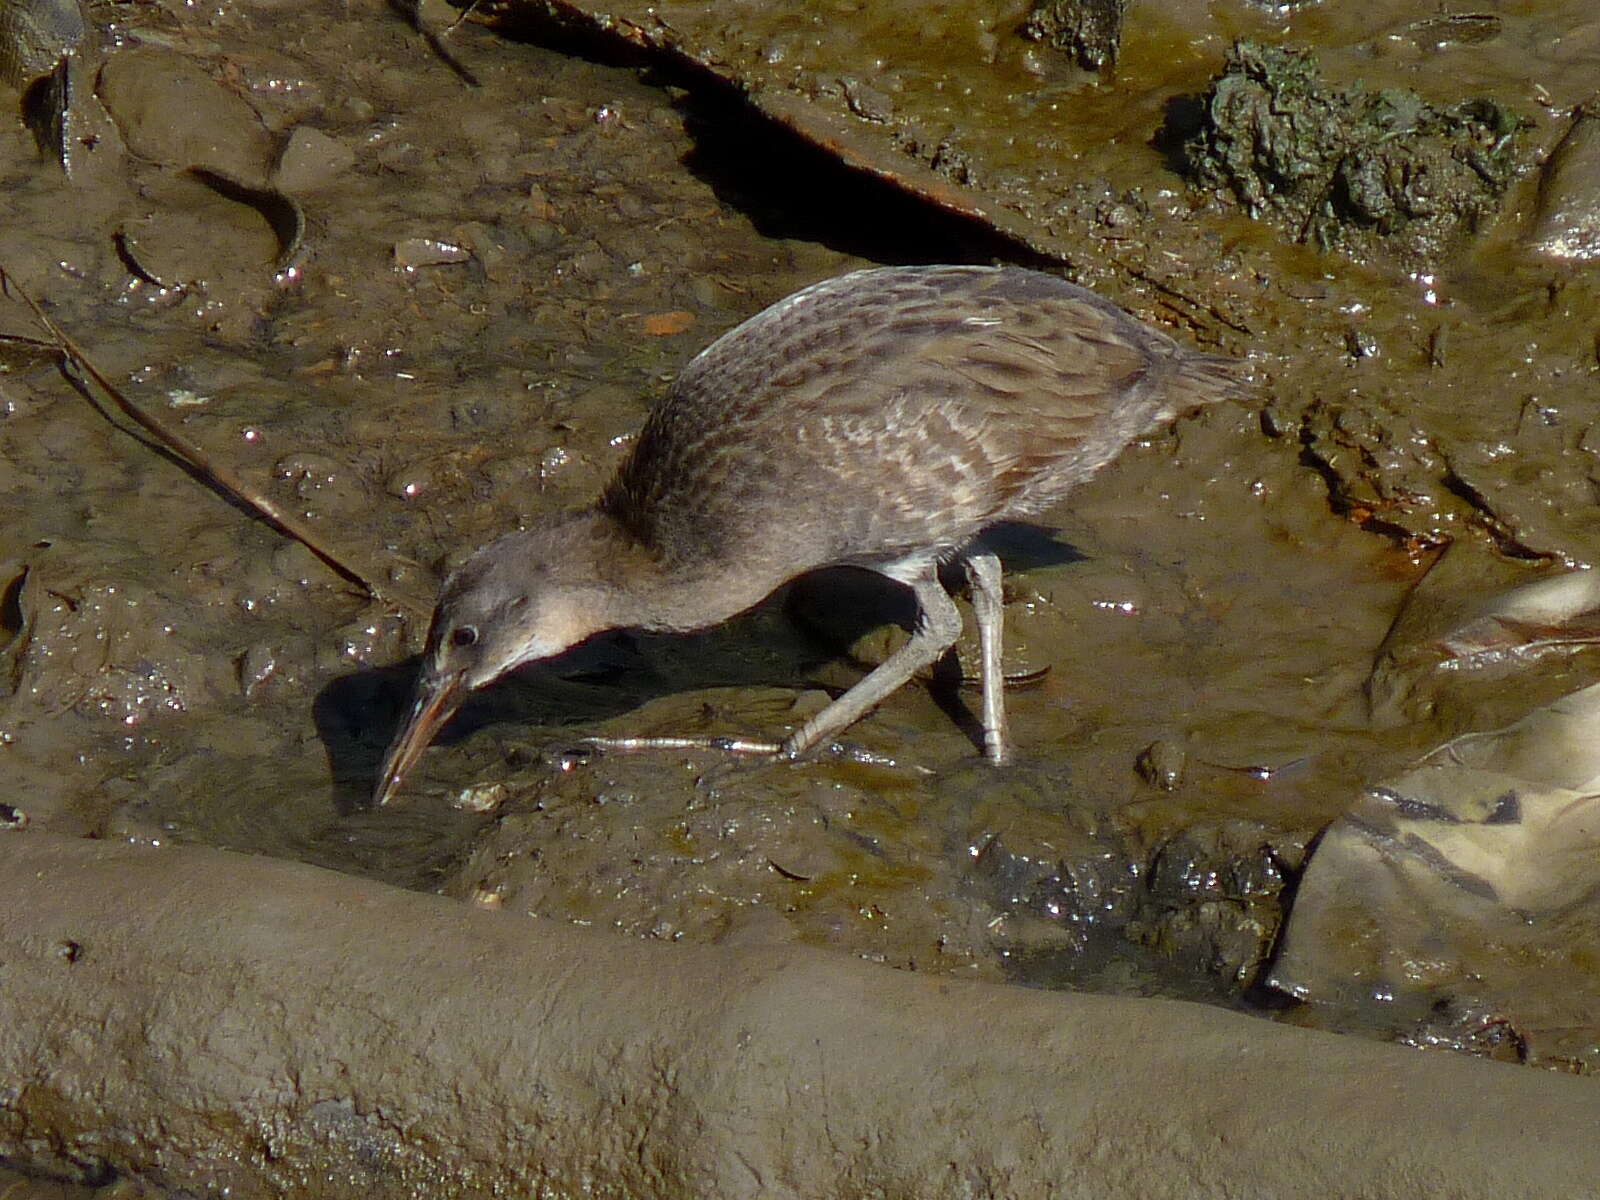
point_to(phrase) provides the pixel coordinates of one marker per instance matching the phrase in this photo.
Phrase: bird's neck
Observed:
(645, 589)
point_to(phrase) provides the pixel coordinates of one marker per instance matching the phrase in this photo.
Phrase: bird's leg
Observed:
(983, 574)
(938, 626)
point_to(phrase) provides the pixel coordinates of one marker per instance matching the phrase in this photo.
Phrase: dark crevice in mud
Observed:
(1183, 119)
(1504, 540)
(1262, 999)
(1259, 994)
(791, 189)
(1340, 504)
(13, 633)
(788, 187)
(11, 618)
(545, 26)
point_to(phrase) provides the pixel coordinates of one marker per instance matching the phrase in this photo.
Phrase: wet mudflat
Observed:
(489, 270)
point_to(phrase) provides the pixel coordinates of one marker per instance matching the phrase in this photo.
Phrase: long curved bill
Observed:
(437, 699)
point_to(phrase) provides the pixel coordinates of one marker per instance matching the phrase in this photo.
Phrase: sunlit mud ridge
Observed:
(309, 1052)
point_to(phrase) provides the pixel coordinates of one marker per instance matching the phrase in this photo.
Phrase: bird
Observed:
(882, 419)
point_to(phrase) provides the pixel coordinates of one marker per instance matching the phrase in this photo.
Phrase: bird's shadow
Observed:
(775, 644)
(358, 715)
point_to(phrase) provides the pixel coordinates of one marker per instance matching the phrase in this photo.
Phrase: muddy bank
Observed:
(259, 1030)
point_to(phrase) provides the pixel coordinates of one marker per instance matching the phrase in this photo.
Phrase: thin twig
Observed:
(435, 37)
(189, 454)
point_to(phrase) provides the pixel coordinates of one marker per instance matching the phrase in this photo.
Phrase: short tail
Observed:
(1200, 379)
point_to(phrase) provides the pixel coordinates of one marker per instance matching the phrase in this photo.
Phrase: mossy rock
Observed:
(1363, 171)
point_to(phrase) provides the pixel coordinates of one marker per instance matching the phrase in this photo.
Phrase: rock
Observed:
(1567, 224)
(1089, 30)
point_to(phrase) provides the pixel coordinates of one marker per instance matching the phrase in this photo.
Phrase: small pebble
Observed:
(1161, 763)
(412, 254)
(480, 797)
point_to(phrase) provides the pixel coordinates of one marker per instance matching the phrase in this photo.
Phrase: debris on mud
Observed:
(1353, 169)
(1089, 30)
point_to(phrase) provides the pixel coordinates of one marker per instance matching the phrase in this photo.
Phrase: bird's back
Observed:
(899, 410)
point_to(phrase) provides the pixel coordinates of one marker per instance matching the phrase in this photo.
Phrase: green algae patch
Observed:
(1368, 172)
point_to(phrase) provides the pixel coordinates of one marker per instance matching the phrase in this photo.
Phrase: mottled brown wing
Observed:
(892, 410)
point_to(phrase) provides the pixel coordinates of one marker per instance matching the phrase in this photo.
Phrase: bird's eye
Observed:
(463, 636)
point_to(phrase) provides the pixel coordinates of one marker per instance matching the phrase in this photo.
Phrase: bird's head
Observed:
(528, 596)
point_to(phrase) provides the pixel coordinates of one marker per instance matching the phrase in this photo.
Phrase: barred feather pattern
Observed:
(893, 413)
